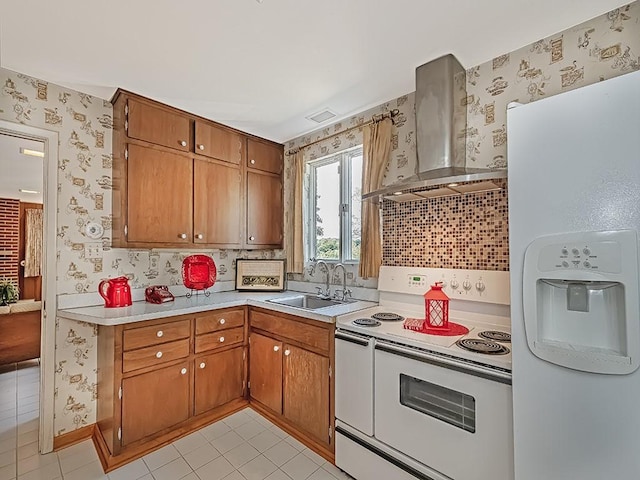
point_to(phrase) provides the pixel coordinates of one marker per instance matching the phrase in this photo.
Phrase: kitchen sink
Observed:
(307, 302)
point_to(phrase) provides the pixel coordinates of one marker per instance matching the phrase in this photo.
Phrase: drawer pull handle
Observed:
(183, 235)
(252, 161)
(252, 238)
(276, 348)
(201, 147)
(159, 355)
(287, 353)
(202, 365)
(199, 236)
(183, 371)
(221, 339)
(160, 333)
(183, 143)
(222, 321)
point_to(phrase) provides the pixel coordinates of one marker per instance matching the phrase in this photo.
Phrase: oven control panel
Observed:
(475, 285)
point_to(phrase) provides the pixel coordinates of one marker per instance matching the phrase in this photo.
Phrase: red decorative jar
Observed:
(436, 306)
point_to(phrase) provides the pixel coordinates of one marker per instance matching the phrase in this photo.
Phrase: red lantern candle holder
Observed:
(436, 306)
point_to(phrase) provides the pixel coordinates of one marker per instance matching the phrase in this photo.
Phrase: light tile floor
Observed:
(243, 446)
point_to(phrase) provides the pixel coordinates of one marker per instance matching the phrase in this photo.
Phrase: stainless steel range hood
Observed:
(441, 123)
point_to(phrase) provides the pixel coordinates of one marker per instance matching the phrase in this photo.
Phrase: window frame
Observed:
(343, 158)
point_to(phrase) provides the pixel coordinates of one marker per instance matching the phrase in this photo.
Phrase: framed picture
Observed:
(260, 275)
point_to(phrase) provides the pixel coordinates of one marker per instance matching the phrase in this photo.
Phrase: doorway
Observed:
(28, 190)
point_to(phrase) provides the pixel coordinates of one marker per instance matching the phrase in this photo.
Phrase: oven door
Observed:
(453, 418)
(354, 380)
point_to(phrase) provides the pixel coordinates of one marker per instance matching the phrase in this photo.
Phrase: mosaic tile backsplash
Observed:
(466, 231)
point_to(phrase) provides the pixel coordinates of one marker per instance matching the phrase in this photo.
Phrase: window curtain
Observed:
(376, 149)
(33, 243)
(295, 248)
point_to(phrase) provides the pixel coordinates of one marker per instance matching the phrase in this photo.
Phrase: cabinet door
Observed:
(264, 210)
(217, 204)
(219, 143)
(265, 371)
(306, 391)
(218, 379)
(159, 189)
(264, 156)
(157, 125)
(154, 401)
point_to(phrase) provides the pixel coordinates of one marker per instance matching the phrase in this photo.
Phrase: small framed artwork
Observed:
(260, 275)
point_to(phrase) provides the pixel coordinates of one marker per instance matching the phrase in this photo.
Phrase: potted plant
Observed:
(8, 292)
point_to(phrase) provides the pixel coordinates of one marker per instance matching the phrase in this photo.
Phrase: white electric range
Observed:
(412, 405)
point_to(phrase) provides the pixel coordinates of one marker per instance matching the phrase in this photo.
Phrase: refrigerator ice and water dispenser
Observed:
(580, 300)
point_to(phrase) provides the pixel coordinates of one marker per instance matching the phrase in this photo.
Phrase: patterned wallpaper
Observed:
(84, 125)
(601, 48)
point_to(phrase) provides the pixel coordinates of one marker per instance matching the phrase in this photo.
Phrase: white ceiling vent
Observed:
(322, 116)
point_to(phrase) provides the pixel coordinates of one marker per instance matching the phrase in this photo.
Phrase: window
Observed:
(334, 212)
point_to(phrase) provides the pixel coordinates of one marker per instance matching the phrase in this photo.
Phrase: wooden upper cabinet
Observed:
(265, 367)
(306, 391)
(265, 215)
(263, 156)
(159, 207)
(217, 198)
(158, 125)
(154, 401)
(219, 143)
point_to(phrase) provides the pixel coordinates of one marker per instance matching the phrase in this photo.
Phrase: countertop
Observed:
(141, 311)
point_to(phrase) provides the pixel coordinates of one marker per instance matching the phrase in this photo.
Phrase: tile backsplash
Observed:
(464, 231)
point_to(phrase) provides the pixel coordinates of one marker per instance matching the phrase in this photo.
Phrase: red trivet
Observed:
(420, 325)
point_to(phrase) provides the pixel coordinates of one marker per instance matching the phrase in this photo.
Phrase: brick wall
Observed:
(9, 238)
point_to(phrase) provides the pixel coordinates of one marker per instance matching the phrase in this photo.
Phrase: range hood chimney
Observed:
(441, 123)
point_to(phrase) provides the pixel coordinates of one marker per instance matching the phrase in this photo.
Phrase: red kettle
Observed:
(116, 292)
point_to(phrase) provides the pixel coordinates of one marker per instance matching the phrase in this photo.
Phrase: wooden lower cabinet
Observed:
(219, 378)
(306, 391)
(154, 401)
(154, 386)
(159, 380)
(265, 365)
(290, 373)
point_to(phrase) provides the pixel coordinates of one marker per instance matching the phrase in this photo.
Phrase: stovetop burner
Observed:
(496, 336)
(366, 322)
(387, 317)
(482, 346)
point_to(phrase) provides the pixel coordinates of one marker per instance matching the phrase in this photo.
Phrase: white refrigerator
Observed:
(574, 216)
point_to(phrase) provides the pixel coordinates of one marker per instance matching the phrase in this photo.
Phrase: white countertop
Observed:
(141, 311)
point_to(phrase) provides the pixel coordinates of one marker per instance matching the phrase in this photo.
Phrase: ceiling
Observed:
(264, 66)
(19, 171)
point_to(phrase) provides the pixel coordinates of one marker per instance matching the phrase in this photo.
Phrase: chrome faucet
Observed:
(345, 292)
(327, 289)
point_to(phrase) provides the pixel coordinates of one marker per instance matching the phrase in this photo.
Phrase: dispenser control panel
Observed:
(602, 257)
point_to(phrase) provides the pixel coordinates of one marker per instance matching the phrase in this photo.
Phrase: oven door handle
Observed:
(353, 337)
(442, 361)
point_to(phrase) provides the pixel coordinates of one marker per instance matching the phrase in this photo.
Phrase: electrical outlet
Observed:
(93, 250)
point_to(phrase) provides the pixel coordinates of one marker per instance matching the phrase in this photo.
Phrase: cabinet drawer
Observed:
(163, 333)
(264, 156)
(219, 339)
(311, 335)
(219, 321)
(159, 126)
(150, 356)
